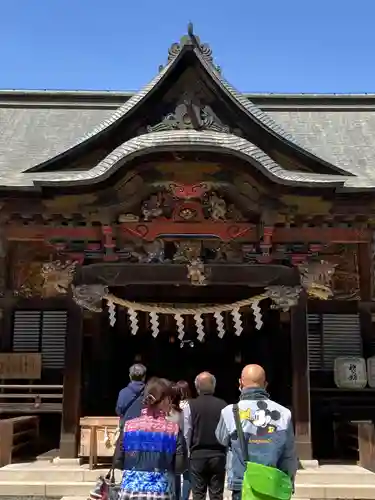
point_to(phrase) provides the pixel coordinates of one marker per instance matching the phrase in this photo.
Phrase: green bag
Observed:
(261, 482)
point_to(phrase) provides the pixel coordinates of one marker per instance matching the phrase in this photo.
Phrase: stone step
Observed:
(69, 474)
(54, 474)
(85, 498)
(82, 489)
(45, 489)
(321, 476)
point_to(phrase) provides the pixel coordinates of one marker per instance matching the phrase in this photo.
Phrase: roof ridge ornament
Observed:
(193, 40)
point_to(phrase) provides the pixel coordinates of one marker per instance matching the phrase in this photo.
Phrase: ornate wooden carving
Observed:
(345, 281)
(37, 270)
(225, 231)
(57, 277)
(191, 113)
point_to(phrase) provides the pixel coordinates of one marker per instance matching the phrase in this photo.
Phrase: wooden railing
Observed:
(28, 398)
(15, 434)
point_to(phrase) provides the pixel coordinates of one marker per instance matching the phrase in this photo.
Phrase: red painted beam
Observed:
(225, 231)
(321, 235)
(42, 233)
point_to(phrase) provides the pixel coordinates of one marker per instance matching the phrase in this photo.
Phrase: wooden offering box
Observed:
(98, 437)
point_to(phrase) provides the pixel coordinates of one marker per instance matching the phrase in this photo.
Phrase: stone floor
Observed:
(41, 479)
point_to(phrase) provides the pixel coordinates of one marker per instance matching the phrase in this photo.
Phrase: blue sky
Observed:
(264, 46)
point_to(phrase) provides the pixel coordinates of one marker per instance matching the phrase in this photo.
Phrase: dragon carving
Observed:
(57, 277)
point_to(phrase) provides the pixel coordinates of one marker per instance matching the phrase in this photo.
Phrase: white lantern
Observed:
(350, 372)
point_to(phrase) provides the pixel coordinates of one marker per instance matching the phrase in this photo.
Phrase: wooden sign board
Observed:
(20, 366)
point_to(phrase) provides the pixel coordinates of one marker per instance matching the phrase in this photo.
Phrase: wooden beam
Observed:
(42, 233)
(254, 275)
(332, 306)
(301, 380)
(223, 230)
(71, 405)
(321, 235)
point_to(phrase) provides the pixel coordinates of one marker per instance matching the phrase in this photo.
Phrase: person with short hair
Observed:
(267, 431)
(129, 401)
(152, 449)
(207, 455)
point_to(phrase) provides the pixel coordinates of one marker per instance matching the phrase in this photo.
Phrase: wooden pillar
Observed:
(365, 272)
(72, 384)
(7, 306)
(8, 300)
(301, 379)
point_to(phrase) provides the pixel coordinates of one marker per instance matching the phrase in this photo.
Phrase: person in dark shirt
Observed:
(207, 455)
(129, 401)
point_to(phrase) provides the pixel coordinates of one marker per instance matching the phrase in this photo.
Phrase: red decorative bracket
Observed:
(266, 244)
(225, 231)
(108, 244)
(188, 191)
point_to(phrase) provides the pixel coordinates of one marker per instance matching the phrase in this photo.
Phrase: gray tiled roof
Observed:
(36, 127)
(32, 132)
(178, 140)
(238, 98)
(32, 135)
(345, 138)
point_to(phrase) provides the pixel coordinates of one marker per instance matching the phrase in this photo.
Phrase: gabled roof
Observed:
(191, 44)
(38, 126)
(179, 140)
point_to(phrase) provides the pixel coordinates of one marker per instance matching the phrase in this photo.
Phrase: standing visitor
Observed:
(129, 401)
(257, 431)
(207, 455)
(153, 448)
(179, 402)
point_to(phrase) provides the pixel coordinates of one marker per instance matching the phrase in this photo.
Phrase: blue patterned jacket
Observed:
(153, 451)
(268, 430)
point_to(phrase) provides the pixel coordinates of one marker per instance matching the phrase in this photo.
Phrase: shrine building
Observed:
(189, 227)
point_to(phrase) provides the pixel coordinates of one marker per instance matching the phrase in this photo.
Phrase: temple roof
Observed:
(38, 126)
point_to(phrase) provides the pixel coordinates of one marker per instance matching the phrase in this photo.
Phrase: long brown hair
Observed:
(156, 391)
(184, 389)
(180, 392)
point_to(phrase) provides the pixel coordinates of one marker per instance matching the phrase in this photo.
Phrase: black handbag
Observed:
(106, 487)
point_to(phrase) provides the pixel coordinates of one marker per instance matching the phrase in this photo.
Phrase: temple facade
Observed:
(190, 227)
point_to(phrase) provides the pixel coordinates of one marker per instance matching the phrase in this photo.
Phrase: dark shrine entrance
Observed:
(106, 368)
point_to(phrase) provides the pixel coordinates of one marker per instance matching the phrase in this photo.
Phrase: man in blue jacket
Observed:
(267, 428)
(129, 402)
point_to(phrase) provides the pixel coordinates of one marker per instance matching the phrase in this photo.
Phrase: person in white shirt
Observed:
(180, 401)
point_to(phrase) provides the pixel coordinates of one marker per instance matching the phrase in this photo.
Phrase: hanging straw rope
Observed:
(135, 306)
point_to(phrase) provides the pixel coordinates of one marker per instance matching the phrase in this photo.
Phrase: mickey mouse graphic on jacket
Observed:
(267, 429)
(263, 418)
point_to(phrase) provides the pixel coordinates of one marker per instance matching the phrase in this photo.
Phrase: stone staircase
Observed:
(74, 482)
